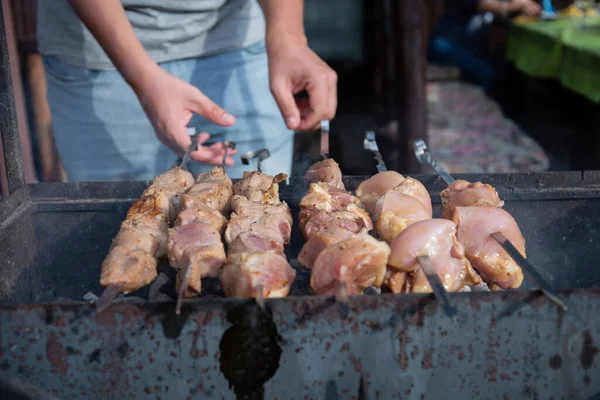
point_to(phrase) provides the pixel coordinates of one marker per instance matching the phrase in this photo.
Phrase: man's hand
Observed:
(170, 104)
(526, 7)
(293, 68)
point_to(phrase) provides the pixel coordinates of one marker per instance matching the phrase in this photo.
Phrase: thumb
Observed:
(205, 107)
(287, 104)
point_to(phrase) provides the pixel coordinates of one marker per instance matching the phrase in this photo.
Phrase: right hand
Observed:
(170, 103)
(527, 7)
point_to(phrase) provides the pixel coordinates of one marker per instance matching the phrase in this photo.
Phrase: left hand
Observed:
(293, 68)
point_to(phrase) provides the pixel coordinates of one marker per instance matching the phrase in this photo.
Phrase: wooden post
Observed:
(9, 129)
(409, 70)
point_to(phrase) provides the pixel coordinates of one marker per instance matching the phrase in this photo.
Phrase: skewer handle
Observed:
(371, 144)
(528, 267)
(436, 284)
(424, 156)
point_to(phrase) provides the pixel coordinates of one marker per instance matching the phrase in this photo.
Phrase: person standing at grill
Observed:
(121, 70)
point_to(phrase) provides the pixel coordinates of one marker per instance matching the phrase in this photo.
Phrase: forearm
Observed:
(498, 7)
(287, 21)
(108, 22)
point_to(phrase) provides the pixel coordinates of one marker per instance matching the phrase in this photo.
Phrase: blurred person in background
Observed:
(126, 78)
(462, 35)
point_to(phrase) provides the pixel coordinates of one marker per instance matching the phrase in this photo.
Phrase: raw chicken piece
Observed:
(327, 171)
(199, 245)
(144, 234)
(437, 239)
(475, 226)
(370, 191)
(397, 281)
(249, 242)
(464, 194)
(132, 269)
(395, 212)
(267, 220)
(195, 211)
(245, 271)
(352, 219)
(259, 187)
(320, 240)
(359, 262)
(172, 184)
(321, 196)
(414, 188)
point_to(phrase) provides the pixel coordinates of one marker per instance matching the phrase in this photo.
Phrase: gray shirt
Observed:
(168, 29)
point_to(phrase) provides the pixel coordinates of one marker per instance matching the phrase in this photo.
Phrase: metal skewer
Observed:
(425, 157)
(183, 287)
(229, 144)
(439, 291)
(325, 139)
(371, 144)
(436, 284)
(108, 296)
(260, 156)
(191, 132)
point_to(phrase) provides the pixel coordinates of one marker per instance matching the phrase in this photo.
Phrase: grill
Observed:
(514, 344)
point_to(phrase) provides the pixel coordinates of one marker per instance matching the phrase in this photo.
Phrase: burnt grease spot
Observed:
(555, 362)
(589, 351)
(95, 356)
(250, 350)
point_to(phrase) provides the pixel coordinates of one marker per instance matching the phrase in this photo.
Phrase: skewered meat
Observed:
(358, 261)
(247, 272)
(394, 202)
(437, 239)
(194, 242)
(133, 256)
(416, 189)
(395, 211)
(259, 188)
(266, 220)
(259, 229)
(465, 194)
(371, 190)
(338, 249)
(475, 226)
(326, 171)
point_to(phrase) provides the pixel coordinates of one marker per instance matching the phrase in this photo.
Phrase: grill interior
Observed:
(53, 237)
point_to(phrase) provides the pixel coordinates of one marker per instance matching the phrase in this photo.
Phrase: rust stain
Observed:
(403, 356)
(56, 354)
(427, 362)
(415, 352)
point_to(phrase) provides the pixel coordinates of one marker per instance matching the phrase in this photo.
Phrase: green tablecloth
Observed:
(561, 50)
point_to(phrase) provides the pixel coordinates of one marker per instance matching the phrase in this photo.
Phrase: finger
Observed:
(287, 104)
(214, 154)
(205, 107)
(318, 98)
(333, 99)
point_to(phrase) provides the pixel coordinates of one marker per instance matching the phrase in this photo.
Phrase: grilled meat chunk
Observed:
(465, 194)
(327, 171)
(358, 261)
(475, 226)
(259, 229)
(435, 238)
(195, 242)
(132, 259)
